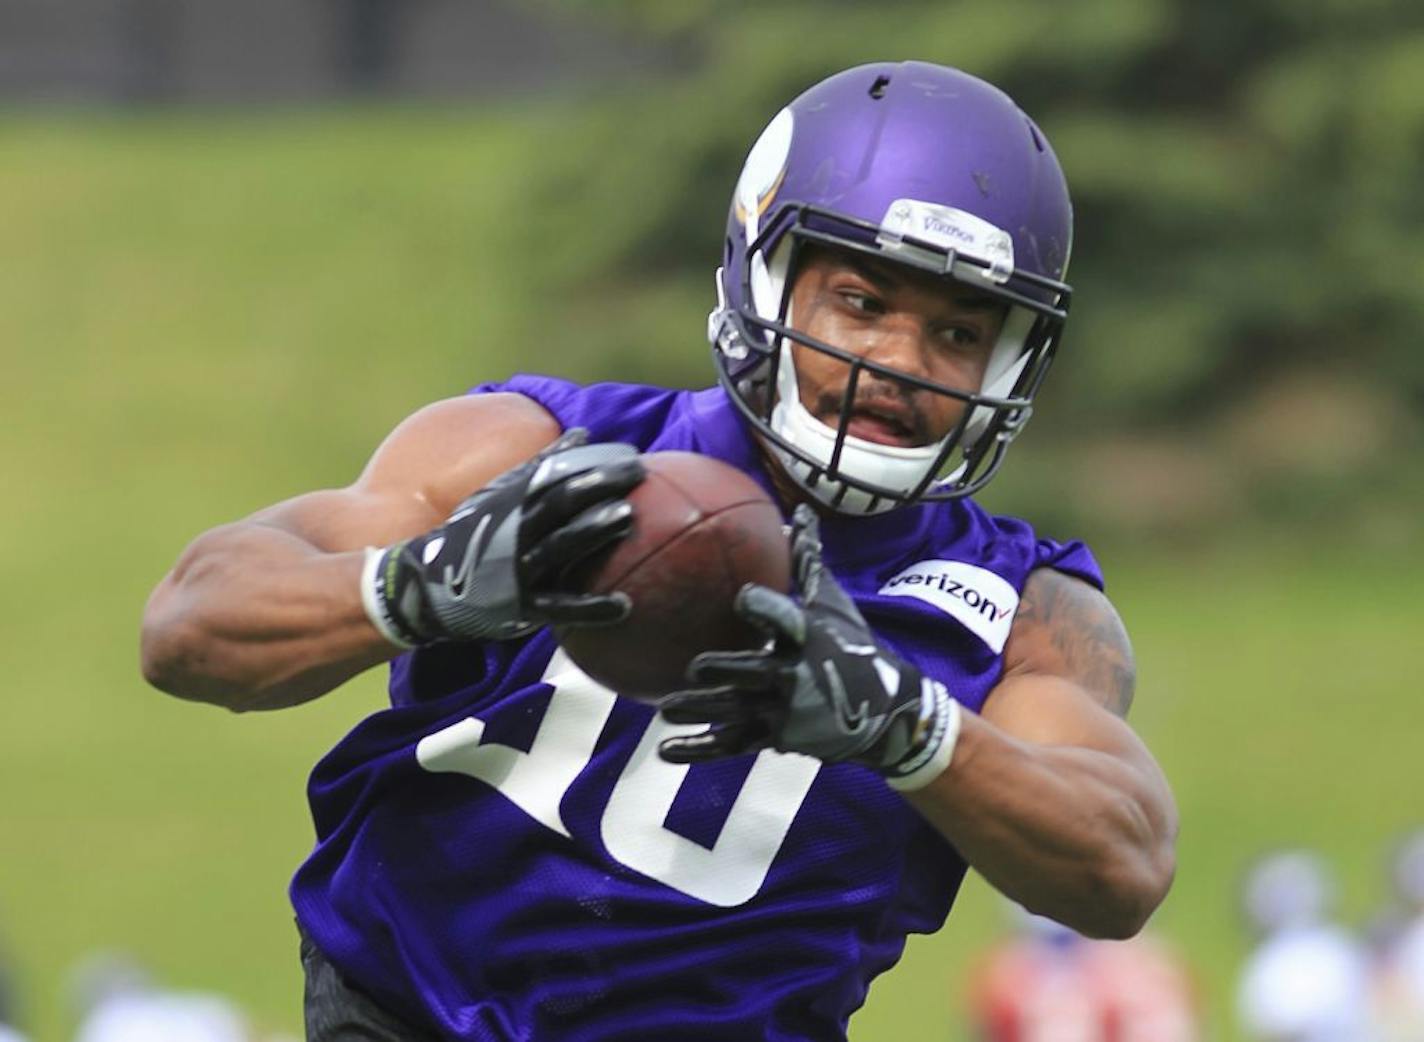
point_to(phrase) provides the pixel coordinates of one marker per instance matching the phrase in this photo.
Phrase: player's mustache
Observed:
(872, 395)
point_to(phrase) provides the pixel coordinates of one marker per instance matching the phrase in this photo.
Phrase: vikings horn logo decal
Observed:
(763, 172)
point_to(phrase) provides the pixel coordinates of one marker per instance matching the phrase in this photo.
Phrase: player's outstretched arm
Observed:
(287, 604)
(1049, 794)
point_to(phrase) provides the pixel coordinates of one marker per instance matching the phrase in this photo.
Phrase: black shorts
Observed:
(338, 1012)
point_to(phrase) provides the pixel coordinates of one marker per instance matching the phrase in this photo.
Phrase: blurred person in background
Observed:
(1047, 983)
(511, 851)
(9, 1017)
(1307, 980)
(116, 1000)
(1398, 946)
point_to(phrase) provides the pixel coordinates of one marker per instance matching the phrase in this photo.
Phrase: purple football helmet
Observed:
(919, 165)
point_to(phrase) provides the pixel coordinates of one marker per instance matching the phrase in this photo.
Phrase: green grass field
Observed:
(200, 316)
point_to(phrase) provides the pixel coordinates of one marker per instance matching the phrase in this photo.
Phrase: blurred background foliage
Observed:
(208, 308)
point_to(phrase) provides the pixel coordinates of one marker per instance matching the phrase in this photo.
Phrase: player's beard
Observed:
(870, 392)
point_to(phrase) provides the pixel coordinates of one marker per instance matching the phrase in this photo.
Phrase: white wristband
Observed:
(371, 599)
(934, 759)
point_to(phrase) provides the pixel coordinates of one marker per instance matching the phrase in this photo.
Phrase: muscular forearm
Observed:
(1081, 835)
(253, 617)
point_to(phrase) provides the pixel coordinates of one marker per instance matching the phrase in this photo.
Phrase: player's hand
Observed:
(823, 685)
(493, 569)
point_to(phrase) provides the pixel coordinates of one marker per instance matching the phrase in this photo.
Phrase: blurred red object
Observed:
(1060, 987)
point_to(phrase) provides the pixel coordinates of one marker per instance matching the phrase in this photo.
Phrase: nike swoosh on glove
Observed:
(823, 685)
(493, 569)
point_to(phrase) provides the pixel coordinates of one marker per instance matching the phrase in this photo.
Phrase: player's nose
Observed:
(902, 343)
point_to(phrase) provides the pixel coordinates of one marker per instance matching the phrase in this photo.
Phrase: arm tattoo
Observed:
(1076, 633)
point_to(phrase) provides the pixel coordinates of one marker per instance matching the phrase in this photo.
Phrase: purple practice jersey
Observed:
(502, 854)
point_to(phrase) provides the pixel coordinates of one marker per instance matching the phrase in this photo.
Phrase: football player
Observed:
(1048, 984)
(512, 851)
(1307, 979)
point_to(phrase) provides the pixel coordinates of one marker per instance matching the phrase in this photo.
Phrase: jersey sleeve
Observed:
(1072, 558)
(1012, 547)
(632, 413)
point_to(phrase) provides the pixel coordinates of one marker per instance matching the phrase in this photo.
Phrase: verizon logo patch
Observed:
(981, 600)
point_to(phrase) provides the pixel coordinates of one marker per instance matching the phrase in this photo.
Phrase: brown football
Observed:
(701, 529)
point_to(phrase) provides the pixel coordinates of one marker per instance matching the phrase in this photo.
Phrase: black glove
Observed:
(492, 570)
(822, 686)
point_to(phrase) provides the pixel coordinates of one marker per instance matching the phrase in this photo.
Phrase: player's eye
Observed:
(862, 302)
(961, 336)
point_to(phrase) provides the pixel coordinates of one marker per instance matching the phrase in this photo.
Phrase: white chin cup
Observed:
(892, 467)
